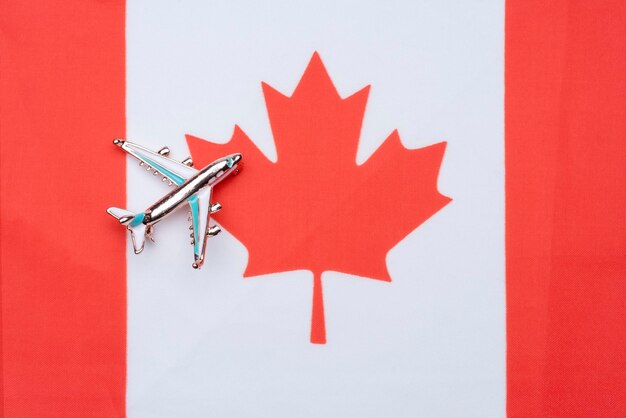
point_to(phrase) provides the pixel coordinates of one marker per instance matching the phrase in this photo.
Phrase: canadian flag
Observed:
(429, 221)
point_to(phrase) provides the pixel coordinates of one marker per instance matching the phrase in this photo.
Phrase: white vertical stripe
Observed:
(432, 342)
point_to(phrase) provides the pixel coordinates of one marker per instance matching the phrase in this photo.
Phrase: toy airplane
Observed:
(192, 187)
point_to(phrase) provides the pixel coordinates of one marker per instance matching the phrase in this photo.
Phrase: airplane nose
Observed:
(237, 158)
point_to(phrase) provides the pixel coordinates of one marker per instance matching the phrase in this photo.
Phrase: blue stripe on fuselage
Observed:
(138, 219)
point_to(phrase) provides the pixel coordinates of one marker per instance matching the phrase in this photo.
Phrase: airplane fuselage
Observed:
(207, 177)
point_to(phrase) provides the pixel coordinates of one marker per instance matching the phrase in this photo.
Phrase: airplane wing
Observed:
(171, 169)
(201, 209)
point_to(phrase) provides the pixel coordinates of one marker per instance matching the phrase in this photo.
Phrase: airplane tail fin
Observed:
(133, 223)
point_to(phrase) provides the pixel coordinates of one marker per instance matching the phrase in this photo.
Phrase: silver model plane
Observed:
(192, 187)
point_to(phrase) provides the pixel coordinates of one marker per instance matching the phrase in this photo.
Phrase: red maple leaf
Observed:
(315, 208)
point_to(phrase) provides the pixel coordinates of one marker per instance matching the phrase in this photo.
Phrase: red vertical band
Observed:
(62, 101)
(566, 195)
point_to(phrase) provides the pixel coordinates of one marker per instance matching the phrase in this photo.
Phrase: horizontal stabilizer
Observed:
(134, 223)
(122, 215)
(138, 234)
